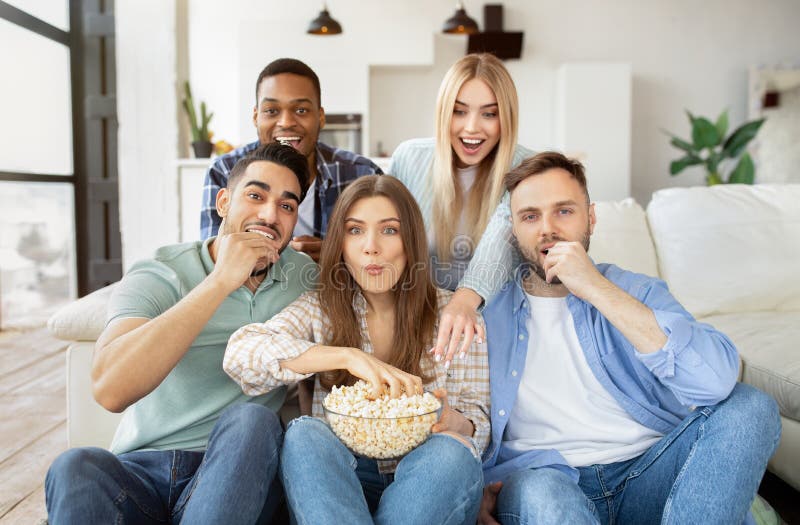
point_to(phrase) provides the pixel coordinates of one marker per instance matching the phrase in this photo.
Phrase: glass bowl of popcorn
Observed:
(382, 428)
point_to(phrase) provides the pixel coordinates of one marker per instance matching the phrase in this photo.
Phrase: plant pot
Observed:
(202, 149)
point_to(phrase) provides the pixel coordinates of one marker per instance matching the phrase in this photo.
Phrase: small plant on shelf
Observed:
(201, 136)
(724, 159)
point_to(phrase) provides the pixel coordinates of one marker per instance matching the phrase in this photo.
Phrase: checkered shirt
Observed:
(255, 352)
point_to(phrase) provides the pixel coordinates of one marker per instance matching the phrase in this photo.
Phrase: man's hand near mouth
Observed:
(571, 264)
(307, 244)
(240, 254)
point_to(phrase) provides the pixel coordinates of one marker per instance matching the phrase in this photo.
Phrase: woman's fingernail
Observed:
(446, 365)
(431, 350)
(462, 355)
(438, 358)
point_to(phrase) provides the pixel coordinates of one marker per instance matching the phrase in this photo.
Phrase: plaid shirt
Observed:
(336, 169)
(255, 351)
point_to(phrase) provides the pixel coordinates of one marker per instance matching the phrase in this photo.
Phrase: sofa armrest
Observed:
(84, 319)
(88, 423)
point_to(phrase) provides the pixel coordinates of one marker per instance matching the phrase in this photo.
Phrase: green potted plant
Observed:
(724, 159)
(201, 136)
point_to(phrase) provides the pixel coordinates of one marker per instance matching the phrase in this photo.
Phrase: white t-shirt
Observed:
(561, 405)
(305, 213)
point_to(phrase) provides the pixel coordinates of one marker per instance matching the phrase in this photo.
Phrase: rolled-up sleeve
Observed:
(255, 352)
(470, 379)
(698, 363)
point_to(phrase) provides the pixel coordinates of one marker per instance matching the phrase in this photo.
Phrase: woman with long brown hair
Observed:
(373, 318)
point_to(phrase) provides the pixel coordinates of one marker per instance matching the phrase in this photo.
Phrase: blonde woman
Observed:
(457, 179)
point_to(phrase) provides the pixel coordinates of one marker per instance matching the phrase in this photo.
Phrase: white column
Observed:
(147, 109)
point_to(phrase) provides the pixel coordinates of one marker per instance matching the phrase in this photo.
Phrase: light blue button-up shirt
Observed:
(697, 366)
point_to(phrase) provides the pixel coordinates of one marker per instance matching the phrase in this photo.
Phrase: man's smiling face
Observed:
(264, 200)
(288, 110)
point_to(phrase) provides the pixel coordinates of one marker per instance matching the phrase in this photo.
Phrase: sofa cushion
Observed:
(768, 346)
(621, 237)
(729, 248)
(84, 319)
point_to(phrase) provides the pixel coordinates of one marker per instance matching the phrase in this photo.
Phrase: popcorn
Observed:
(383, 428)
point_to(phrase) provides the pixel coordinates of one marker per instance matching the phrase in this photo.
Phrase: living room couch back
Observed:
(729, 248)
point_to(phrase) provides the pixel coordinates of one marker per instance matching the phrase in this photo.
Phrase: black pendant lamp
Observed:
(324, 24)
(460, 23)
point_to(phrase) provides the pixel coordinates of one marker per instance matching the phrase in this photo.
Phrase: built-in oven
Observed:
(342, 131)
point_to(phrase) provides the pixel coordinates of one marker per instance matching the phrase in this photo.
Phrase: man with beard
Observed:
(288, 109)
(610, 403)
(191, 447)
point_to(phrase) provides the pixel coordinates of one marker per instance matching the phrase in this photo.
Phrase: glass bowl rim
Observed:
(327, 410)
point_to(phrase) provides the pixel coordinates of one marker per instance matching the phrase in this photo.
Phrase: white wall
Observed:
(229, 47)
(683, 54)
(593, 124)
(402, 100)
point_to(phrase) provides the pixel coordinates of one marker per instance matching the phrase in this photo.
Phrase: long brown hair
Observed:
(415, 295)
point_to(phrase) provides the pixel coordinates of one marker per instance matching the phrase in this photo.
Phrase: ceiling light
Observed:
(460, 23)
(324, 24)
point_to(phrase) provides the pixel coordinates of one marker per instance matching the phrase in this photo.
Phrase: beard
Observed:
(531, 255)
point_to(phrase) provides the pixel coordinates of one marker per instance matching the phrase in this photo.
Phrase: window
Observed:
(58, 204)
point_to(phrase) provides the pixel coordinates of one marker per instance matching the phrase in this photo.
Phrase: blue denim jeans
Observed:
(233, 481)
(706, 470)
(440, 481)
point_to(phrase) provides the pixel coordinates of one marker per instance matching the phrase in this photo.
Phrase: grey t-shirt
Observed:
(180, 413)
(448, 273)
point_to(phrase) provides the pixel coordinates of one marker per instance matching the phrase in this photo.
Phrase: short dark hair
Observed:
(293, 66)
(280, 154)
(542, 162)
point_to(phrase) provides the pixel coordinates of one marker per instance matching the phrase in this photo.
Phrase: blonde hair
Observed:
(485, 194)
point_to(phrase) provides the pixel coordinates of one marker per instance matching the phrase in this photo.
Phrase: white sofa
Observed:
(730, 254)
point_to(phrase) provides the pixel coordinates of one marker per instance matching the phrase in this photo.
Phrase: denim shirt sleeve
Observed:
(697, 363)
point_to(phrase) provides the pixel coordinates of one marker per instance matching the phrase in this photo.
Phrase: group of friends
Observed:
(572, 392)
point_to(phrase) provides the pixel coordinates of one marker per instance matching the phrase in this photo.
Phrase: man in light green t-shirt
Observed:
(191, 447)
